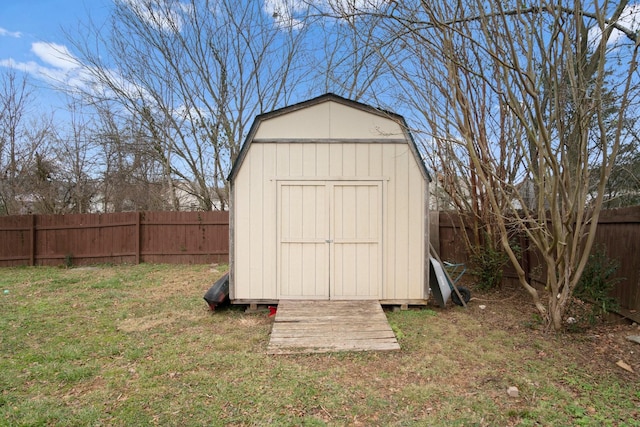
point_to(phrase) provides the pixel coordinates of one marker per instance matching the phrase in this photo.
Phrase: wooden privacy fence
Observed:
(128, 237)
(618, 233)
(203, 237)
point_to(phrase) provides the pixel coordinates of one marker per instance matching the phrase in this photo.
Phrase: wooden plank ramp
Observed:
(302, 326)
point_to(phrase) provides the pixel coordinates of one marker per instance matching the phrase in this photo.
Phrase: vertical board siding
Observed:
(256, 222)
(242, 236)
(417, 235)
(375, 160)
(309, 160)
(256, 230)
(335, 160)
(302, 229)
(402, 256)
(323, 162)
(295, 159)
(116, 238)
(390, 222)
(357, 231)
(269, 233)
(349, 160)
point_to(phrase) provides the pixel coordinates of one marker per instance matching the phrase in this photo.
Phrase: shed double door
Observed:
(330, 240)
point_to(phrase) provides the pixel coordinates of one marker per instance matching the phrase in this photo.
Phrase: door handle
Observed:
(329, 241)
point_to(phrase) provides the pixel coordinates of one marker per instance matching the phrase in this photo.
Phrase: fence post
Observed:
(32, 243)
(138, 237)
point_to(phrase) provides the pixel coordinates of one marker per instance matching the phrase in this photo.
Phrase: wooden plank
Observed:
(316, 333)
(330, 348)
(332, 312)
(303, 326)
(309, 327)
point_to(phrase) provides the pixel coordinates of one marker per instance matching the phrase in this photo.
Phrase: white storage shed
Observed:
(329, 201)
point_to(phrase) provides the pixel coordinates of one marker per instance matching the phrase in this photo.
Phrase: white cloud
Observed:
(60, 69)
(53, 75)
(5, 32)
(289, 13)
(163, 19)
(630, 19)
(350, 7)
(55, 65)
(284, 12)
(55, 55)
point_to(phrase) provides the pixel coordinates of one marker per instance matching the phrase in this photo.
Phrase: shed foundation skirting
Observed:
(391, 302)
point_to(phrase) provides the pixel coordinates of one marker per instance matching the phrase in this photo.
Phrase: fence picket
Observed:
(114, 238)
(203, 237)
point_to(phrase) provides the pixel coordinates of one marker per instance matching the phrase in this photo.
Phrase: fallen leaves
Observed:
(621, 363)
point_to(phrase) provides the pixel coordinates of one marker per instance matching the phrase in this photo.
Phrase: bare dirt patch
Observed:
(598, 345)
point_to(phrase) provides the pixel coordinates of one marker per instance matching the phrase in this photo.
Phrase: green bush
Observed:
(596, 283)
(487, 265)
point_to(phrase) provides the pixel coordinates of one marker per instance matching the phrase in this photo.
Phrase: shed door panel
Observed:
(330, 240)
(356, 256)
(303, 250)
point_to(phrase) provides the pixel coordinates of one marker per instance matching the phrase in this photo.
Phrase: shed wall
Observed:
(255, 208)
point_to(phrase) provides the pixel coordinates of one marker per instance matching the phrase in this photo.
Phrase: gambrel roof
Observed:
(315, 120)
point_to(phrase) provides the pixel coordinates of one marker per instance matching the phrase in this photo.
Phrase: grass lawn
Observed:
(137, 346)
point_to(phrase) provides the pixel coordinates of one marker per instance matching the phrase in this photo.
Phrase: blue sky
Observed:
(25, 22)
(33, 41)
(32, 37)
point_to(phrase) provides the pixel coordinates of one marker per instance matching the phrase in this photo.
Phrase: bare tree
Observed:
(24, 146)
(77, 162)
(196, 73)
(515, 96)
(623, 186)
(350, 61)
(132, 174)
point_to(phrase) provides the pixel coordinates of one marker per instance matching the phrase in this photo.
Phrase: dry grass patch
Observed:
(136, 345)
(152, 321)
